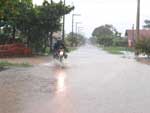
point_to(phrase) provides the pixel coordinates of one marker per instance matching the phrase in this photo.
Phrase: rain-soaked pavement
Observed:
(91, 81)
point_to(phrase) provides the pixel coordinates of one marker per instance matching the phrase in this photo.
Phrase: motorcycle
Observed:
(60, 54)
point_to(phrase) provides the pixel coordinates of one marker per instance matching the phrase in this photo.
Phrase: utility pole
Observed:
(80, 29)
(63, 33)
(76, 37)
(77, 28)
(138, 21)
(73, 23)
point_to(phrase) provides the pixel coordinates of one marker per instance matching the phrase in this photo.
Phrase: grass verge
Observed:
(8, 64)
(116, 50)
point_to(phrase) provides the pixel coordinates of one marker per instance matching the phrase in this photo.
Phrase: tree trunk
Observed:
(51, 41)
(45, 44)
(28, 38)
(14, 33)
(28, 41)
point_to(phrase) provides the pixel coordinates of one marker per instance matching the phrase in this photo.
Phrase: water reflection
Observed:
(61, 80)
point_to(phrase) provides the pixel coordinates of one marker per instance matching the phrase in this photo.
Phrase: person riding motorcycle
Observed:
(57, 46)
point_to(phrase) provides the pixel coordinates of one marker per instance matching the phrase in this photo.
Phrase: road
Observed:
(91, 81)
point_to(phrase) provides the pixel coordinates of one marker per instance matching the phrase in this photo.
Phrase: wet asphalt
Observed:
(89, 81)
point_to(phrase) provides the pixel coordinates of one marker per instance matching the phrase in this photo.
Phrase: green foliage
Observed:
(105, 40)
(103, 30)
(80, 39)
(77, 40)
(8, 8)
(8, 64)
(33, 25)
(107, 35)
(114, 50)
(142, 46)
(120, 42)
(104, 35)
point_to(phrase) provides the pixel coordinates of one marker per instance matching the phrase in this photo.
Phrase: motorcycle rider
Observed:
(57, 46)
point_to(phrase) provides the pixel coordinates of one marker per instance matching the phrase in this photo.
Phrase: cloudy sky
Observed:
(120, 13)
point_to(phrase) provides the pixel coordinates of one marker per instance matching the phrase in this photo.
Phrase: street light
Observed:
(77, 28)
(80, 29)
(73, 22)
(76, 37)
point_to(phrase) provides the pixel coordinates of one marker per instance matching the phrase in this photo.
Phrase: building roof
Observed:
(131, 34)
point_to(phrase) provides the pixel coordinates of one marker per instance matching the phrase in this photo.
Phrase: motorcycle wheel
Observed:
(61, 59)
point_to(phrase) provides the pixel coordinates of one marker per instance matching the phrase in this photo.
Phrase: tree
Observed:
(103, 30)
(78, 40)
(9, 9)
(38, 23)
(107, 35)
(104, 34)
(123, 42)
(142, 46)
(50, 15)
(26, 21)
(33, 25)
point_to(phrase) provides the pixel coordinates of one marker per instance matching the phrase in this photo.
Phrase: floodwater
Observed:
(89, 81)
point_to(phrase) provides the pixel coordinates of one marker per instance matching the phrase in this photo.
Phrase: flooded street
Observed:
(91, 81)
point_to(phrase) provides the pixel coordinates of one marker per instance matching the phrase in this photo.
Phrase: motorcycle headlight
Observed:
(61, 53)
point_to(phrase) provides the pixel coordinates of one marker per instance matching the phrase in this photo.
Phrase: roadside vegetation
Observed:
(23, 22)
(75, 40)
(34, 26)
(142, 45)
(116, 50)
(4, 64)
(109, 39)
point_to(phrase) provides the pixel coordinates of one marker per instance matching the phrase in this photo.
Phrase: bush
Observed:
(105, 40)
(108, 40)
(142, 46)
(123, 42)
(76, 41)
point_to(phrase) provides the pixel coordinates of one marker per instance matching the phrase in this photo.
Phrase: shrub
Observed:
(105, 40)
(120, 42)
(142, 46)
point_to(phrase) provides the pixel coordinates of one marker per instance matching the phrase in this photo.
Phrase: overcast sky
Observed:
(120, 13)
